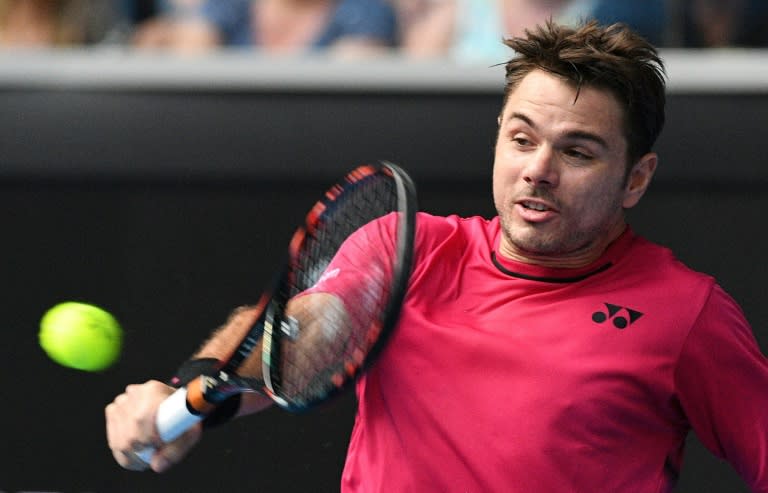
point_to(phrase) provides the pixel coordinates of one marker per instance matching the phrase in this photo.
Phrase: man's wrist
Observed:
(191, 369)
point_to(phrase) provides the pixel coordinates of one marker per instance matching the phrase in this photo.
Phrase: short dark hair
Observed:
(612, 57)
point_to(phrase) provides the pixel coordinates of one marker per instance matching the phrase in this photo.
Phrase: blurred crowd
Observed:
(459, 29)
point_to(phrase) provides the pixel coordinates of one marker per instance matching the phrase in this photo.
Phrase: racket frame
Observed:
(275, 322)
(191, 403)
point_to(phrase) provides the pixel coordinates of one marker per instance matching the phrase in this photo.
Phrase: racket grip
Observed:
(173, 419)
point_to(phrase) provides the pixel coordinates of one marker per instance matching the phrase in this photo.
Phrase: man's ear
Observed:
(639, 179)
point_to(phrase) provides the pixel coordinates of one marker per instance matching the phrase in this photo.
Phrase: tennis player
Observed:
(551, 348)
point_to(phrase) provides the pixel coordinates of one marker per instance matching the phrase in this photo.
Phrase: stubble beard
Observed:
(533, 240)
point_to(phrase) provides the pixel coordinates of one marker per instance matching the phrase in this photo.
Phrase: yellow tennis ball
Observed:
(81, 336)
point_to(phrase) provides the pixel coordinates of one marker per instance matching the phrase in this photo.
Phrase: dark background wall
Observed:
(171, 206)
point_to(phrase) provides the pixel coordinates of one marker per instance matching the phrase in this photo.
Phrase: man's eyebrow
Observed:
(581, 135)
(523, 117)
(575, 134)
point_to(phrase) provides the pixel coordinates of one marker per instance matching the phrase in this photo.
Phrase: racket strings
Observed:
(334, 336)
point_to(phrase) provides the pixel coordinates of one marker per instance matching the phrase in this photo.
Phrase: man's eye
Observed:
(521, 141)
(577, 154)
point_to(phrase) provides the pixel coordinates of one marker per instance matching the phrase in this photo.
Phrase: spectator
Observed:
(470, 29)
(427, 28)
(714, 23)
(685, 23)
(647, 17)
(274, 26)
(47, 23)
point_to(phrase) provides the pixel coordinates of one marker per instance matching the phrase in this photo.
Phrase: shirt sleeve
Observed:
(362, 271)
(722, 383)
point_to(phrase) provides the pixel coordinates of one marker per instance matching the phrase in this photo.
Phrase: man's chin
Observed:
(537, 244)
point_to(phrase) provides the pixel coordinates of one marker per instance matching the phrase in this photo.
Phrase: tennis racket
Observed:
(329, 313)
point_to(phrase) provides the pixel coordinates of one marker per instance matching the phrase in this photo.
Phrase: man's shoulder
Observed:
(646, 264)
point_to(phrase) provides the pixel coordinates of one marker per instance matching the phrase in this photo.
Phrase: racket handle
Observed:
(172, 420)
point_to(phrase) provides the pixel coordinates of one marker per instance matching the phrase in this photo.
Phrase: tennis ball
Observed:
(81, 336)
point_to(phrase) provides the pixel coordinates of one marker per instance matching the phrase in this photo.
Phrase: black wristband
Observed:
(191, 369)
(223, 412)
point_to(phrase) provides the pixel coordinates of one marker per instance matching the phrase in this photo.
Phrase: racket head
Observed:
(315, 345)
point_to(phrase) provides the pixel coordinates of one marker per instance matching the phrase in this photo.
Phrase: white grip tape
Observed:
(172, 420)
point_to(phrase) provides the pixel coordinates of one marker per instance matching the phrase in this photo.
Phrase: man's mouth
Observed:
(534, 210)
(536, 206)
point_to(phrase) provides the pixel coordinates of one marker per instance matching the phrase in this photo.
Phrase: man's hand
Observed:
(130, 421)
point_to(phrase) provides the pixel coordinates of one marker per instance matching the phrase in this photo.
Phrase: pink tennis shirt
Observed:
(509, 377)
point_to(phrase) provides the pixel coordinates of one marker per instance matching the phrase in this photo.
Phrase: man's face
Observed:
(559, 172)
